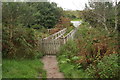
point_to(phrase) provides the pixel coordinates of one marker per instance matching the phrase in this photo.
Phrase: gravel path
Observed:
(51, 66)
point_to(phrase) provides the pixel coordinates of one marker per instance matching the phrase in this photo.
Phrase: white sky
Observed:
(72, 4)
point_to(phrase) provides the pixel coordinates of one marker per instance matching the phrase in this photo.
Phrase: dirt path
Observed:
(51, 66)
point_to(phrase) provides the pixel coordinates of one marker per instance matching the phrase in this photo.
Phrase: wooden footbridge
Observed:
(51, 44)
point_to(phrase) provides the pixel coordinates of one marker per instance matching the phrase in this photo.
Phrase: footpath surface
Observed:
(51, 66)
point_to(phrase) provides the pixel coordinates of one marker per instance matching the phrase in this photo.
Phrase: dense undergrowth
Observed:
(93, 54)
(22, 29)
(21, 43)
(23, 25)
(21, 53)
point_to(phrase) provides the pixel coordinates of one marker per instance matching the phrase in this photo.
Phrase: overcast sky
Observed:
(72, 4)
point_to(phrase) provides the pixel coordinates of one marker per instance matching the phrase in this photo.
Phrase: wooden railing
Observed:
(52, 44)
(57, 34)
(69, 36)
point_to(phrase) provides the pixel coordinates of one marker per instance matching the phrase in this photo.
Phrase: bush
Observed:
(67, 58)
(93, 53)
(69, 49)
(93, 43)
(63, 22)
(106, 68)
(40, 28)
(20, 43)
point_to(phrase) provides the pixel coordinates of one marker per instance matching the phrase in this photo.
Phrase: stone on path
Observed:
(51, 66)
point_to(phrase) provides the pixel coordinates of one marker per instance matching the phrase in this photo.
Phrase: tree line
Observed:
(24, 24)
(27, 14)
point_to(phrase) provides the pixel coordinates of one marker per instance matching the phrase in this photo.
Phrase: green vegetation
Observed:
(96, 14)
(23, 44)
(66, 59)
(71, 14)
(24, 24)
(23, 69)
(68, 30)
(65, 23)
(76, 20)
(0, 71)
(92, 54)
(107, 67)
(29, 14)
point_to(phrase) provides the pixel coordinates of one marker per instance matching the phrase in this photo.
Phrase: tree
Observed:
(99, 11)
(47, 14)
(15, 13)
(117, 15)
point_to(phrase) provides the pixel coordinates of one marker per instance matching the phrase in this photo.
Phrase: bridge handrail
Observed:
(57, 34)
(70, 35)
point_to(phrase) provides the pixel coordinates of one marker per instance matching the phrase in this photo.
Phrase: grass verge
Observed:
(23, 69)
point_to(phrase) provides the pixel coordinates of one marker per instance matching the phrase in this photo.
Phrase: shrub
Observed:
(93, 43)
(63, 22)
(93, 52)
(69, 49)
(107, 67)
(23, 43)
